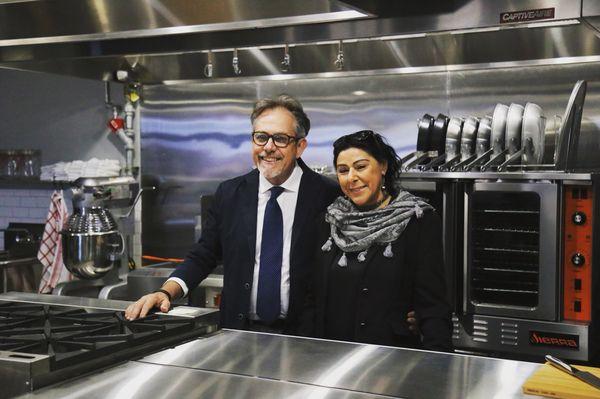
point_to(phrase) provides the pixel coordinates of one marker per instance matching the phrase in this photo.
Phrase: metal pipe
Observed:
(137, 197)
(128, 136)
(107, 93)
(128, 141)
(129, 114)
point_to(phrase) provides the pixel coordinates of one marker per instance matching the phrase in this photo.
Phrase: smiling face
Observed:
(274, 163)
(360, 176)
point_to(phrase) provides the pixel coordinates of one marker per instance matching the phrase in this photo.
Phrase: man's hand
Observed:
(413, 326)
(154, 300)
(146, 303)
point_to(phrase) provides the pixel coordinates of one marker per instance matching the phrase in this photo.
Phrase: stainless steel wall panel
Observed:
(194, 136)
(590, 8)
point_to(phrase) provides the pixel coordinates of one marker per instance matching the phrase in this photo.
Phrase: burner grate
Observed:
(70, 335)
(42, 342)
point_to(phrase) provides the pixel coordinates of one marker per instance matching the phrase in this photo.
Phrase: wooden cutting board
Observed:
(553, 383)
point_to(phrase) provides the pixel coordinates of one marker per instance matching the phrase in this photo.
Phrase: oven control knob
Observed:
(579, 218)
(578, 259)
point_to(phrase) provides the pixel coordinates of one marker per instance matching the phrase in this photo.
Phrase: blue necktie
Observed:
(268, 302)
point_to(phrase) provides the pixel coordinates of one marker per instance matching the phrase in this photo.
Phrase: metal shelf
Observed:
(25, 183)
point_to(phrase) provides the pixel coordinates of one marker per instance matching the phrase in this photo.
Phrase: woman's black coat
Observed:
(413, 279)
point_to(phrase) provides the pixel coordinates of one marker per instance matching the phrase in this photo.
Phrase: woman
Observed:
(381, 257)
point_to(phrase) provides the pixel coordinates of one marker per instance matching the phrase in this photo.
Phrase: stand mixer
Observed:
(93, 244)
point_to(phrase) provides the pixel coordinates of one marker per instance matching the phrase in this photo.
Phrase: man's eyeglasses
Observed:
(280, 140)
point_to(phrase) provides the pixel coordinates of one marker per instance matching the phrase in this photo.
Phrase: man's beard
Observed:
(270, 172)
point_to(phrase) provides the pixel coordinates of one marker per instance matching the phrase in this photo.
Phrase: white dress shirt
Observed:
(287, 202)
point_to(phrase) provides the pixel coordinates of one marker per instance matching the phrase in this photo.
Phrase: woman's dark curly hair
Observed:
(376, 146)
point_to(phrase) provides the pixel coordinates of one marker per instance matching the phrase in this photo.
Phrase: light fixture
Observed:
(339, 59)
(235, 63)
(286, 64)
(208, 68)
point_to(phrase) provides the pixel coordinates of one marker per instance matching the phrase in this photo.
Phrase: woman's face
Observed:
(360, 176)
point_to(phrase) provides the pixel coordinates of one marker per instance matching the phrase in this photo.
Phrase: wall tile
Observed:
(20, 212)
(37, 214)
(28, 202)
(9, 201)
(43, 202)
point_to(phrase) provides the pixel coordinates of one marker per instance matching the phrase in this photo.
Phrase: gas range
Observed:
(45, 339)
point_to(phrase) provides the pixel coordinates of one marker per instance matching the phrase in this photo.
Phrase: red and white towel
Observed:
(50, 252)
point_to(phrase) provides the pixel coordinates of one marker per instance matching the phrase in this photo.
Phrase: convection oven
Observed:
(529, 282)
(519, 251)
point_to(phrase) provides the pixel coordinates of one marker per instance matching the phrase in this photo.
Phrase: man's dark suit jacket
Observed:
(230, 234)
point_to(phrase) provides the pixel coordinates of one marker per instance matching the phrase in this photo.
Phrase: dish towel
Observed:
(71, 171)
(50, 252)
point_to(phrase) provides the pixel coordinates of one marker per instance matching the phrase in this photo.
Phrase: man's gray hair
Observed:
(288, 102)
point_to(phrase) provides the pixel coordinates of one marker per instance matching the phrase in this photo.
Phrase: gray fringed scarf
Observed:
(353, 230)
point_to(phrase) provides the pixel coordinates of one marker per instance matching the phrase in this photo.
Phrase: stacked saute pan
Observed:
(431, 144)
(515, 134)
(513, 137)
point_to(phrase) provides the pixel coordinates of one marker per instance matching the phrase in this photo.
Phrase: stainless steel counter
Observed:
(17, 261)
(246, 364)
(91, 303)
(142, 380)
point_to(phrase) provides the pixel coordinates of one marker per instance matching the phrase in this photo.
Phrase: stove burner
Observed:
(42, 342)
(72, 335)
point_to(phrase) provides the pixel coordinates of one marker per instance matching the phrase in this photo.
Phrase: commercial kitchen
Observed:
(121, 118)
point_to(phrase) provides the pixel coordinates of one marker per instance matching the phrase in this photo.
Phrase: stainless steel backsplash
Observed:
(194, 136)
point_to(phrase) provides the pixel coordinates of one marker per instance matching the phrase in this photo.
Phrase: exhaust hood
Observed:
(59, 21)
(160, 41)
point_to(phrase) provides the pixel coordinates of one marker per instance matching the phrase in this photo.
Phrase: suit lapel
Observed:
(249, 197)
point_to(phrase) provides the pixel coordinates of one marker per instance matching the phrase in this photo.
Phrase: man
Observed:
(262, 226)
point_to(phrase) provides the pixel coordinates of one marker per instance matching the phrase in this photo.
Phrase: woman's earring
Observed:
(383, 187)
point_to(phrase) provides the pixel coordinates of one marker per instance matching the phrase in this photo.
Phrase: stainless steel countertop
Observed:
(94, 303)
(90, 303)
(245, 364)
(142, 380)
(17, 261)
(373, 369)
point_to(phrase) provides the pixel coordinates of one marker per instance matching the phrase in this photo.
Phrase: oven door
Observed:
(510, 249)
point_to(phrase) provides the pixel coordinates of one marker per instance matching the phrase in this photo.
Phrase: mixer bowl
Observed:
(91, 255)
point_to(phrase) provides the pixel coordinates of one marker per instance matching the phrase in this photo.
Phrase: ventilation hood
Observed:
(164, 41)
